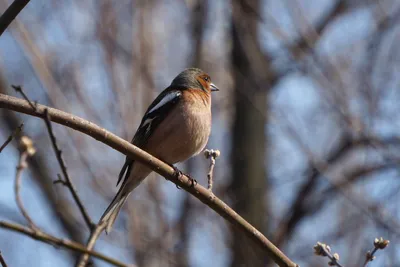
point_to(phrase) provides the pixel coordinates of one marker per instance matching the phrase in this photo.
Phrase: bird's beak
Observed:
(214, 88)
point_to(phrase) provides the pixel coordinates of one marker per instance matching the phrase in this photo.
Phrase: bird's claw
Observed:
(193, 182)
(178, 174)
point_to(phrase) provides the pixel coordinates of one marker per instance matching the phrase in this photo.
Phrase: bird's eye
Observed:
(207, 79)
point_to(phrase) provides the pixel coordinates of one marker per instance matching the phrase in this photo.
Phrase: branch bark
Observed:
(123, 146)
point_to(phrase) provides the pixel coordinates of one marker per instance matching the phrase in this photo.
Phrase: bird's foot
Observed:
(192, 181)
(178, 174)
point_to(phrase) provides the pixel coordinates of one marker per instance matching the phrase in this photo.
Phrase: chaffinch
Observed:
(175, 127)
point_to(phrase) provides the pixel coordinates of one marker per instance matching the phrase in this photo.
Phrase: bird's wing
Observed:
(154, 115)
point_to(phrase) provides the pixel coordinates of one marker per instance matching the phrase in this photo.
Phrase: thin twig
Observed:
(2, 261)
(379, 243)
(60, 180)
(162, 168)
(10, 14)
(27, 150)
(321, 249)
(18, 89)
(58, 242)
(12, 136)
(83, 260)
(67, 180)
(212, 155)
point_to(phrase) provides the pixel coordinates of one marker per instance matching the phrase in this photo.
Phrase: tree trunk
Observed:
(249, 185)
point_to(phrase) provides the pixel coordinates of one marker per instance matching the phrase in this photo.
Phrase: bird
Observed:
(175, 127)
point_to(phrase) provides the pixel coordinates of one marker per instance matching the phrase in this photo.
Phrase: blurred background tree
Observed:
(307, 120)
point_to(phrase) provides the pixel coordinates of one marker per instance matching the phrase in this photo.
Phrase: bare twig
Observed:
(67, 180)
(60, 180)
(18, 89)
(12, 136)
(27, 150)
(379, 243)
(156, 165)
(321, 249)
(10, 14)
(49, 239)
(2, 261)
(82, 262)
(212, 155)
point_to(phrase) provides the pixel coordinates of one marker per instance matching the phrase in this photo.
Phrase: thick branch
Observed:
(46, 238)
(10, 14)
(156, 165)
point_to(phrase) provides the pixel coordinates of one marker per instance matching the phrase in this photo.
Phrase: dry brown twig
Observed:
(379, 243)
(321, 249)
(324, 250)
(58, 242)
(2, 261)
(95, 234)
(26, 150)
(19, 90)
(156, 165)
(12, 136)
(212, 155)
(67, 180)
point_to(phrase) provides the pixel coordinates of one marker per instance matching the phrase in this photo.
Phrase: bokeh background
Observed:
(307, 120)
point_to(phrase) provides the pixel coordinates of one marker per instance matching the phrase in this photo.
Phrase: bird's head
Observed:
(194, 78)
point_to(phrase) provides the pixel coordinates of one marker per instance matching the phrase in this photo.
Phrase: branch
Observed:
(212, 155)
(156, 165)
(90, 244)
(2, 261)
(10, 14)
(321, 249)
(19, 90)
(49, 239)
(67, 180)
(379, 243)
(12, 136)
(27, 150)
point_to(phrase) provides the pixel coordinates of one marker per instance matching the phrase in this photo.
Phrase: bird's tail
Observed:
(113, 209)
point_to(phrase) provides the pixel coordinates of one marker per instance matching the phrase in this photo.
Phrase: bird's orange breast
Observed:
(185, 130)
